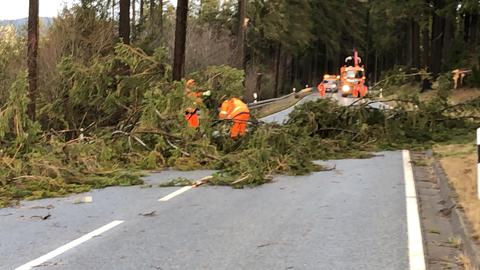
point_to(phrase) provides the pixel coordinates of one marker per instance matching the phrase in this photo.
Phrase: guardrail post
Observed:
(381, 92)
(294, 90)
(255, 96)
(478, 162)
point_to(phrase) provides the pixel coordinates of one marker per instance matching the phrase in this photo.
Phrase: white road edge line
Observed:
(175, 193)
(69, 246)
(415, 240)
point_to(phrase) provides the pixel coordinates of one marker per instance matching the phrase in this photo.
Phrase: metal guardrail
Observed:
(262, 103)
(259, 104)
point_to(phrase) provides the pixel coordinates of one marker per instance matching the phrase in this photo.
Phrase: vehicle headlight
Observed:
(345, 88)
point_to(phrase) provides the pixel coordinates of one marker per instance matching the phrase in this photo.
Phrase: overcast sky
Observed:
(17, 9)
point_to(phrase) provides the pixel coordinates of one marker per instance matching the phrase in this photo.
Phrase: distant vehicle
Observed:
(352, 77)
(330, 82)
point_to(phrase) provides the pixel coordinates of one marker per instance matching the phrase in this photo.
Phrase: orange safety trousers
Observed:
(239, 127)
(191, 114)
(359, 91)
(237, 111)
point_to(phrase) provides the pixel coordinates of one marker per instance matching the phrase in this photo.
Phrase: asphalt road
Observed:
(347, 101)
(353, 217)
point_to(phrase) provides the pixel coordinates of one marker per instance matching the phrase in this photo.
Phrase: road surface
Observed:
(283, 115)
(354, 217)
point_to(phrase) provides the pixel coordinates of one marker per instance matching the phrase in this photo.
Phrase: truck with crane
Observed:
(352, 77)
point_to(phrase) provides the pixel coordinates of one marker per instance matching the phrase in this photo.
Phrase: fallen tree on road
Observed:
(109, 129)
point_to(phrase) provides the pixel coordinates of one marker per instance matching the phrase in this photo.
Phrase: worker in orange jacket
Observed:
(321, 89)
(191, 113)
(234, 109)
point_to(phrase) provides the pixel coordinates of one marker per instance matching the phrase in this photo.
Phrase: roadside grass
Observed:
(397, 91)
(422, 162)
(464, 261)
(456, 95)
(455, 241)
(459, 163)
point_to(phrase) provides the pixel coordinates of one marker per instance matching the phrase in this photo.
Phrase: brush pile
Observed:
(115, 117)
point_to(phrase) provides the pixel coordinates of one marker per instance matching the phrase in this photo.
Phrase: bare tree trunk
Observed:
(415, 44)
(142, 7)
(376, 67)
(180, 39)
(337, 62)
(277, 67)
(152, 9)
(466, 27)
(367, 38)
(242, 7)
(311, 66)
(161, 18)
(325, 62)
(438, 26)
(403, 57)
(315, 66)
(152, 17)
(134, 17)
(258, 85)
(286, 82)
(409, 41)
(32, 53)
(426, 46)
(448, 36)
(113, 9)
(474, 26)
(283, 71)
(304, 69)
(124, 24)
(294, 70)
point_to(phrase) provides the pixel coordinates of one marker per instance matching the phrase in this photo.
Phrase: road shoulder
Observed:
(443, 244)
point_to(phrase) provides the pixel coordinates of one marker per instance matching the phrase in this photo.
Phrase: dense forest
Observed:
(99, 94)
(279, 44)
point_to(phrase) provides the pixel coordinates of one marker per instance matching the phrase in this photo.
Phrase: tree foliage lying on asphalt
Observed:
(107, 111)
(113, 127)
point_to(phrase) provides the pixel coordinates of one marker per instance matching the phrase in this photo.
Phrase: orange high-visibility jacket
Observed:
(191, 116)
(233, 108)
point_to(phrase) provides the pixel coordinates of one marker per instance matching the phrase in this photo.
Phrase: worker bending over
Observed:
(235, 110)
